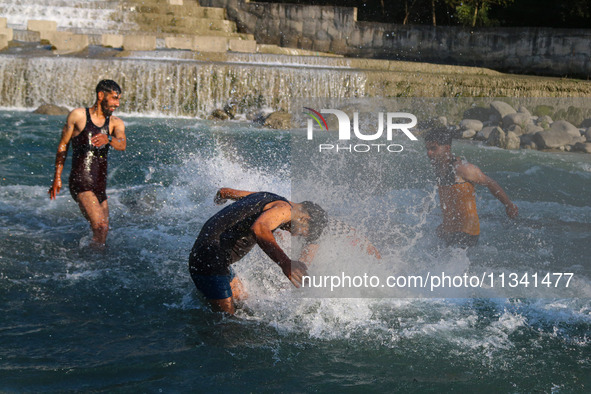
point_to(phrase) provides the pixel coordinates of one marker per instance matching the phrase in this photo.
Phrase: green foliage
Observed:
(465, 15)
(543, 110)
(550, 13)
(573, 115)
(476, 12)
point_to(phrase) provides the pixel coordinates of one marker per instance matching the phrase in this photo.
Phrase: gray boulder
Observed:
(219, 114)
(279, 120)
(588, 134)
(523, 110)
(512, 141)
(50, 109)
(532, 129)
(517, 118)
(578, 139)
(516, 129)
(483, 134)
(441, 121)
(544, 121)
(582, 147)
(563, 125)
(480, 113)
(585, 123)
(471, 124)
(527, 142)
(467, 134)
(501, 109)
(552, 139)
(497, 137)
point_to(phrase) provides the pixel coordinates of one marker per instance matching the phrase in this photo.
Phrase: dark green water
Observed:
(130, 320)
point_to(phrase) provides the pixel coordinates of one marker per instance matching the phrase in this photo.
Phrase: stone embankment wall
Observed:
(544, 51)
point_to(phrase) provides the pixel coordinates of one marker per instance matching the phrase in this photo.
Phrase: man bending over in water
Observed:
(455, 182)
(90, 145)
(232, 232)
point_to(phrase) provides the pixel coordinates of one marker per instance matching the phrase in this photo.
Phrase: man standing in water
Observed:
(456, 179)
(91, 131)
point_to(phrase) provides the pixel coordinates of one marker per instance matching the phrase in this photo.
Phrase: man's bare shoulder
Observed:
(78, 111)
(470, 172)
(116, 121)
(76, 118)
(77, 114)
(279, 205)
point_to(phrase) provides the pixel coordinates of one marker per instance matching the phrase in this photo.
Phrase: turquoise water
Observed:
(129, 318)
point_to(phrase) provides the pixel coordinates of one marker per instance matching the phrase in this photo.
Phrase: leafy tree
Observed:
(469, 12)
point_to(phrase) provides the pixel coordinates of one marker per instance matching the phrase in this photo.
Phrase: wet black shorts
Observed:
(214, 287)
(75, 189)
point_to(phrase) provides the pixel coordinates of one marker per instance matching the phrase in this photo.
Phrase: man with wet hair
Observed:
(91, 131)
(232, 232)
(455, 182)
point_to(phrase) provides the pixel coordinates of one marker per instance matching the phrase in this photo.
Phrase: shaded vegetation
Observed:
(535, 13)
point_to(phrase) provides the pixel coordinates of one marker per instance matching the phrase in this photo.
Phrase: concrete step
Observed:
(150, 22)
(211, 44)
(95, 36)
(191, 10)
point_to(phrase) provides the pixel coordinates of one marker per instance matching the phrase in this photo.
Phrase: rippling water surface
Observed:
(129, 318)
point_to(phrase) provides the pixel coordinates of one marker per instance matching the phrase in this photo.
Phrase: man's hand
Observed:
(99, 140)
(218, 200)
(512, 210)
(55, 188)
(294, 270)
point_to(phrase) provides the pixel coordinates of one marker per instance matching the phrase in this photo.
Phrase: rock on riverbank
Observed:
(503, 126)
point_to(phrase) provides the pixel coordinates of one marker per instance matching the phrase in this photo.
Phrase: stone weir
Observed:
(185, 83)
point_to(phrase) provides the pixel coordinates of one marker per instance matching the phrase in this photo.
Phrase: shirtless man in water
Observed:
(455, 180)
(232, 232)
(92, 131)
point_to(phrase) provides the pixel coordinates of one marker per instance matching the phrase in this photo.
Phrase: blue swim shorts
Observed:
(214, 287)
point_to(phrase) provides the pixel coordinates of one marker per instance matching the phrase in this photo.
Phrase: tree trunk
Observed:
(433, 10)
(475, 14)
(406, 12)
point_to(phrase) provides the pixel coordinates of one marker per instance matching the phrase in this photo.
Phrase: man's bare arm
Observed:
(473, 174)
(119, 140)
(62, 152)
(225, 193)
(263, 230)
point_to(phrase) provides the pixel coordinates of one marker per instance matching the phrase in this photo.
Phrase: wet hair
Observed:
(107, 86)
(439, 135)
(318, 220)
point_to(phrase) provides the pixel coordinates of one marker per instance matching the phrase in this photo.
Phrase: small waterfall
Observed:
(168, 87)
(87, 14)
